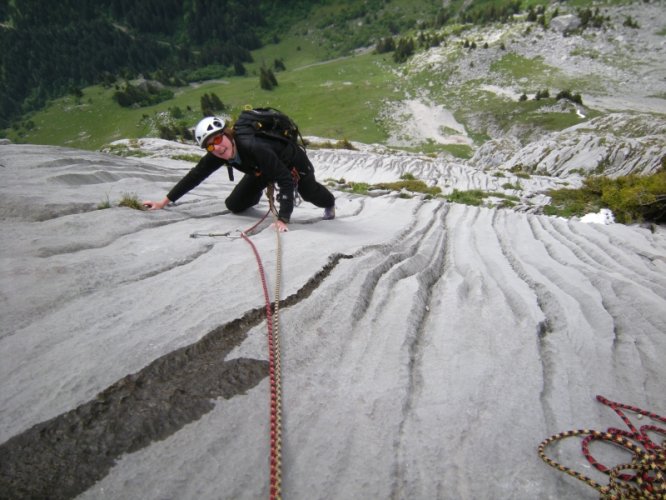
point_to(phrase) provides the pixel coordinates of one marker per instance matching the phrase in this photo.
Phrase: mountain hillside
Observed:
(484, 93)
(619, 73)
(430, 337)
(51, 49)
(427, 348)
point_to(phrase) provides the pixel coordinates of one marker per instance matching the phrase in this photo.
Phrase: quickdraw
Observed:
(642, 478)
(274, 367)
(296, 177)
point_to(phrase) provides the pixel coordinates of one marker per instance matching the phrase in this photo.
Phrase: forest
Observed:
(52, 48)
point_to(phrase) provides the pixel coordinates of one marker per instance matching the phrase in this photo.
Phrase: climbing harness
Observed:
(274, 368)
(643, 477)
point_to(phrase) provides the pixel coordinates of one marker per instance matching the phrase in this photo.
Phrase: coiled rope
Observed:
(275, 373)
(643, 477)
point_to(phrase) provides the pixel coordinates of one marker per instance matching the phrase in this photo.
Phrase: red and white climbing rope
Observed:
(643, 477)
(275, 374)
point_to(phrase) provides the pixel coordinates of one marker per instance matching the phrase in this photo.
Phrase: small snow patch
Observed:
(604, 216)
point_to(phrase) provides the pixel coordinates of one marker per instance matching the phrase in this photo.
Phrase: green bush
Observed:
(572, 202)
(210, 104)
(589, 18)
(404, 50)
(104, 204)
(542, 94)
(633, 198)
(414, 185)
(516, 186)
(472, 197)
(629, 22)
(344, 144)
(566, 94)
(267, 80)
(359, 187)
(194, 158)
(131, 201)
(341, 144)
(385, 45)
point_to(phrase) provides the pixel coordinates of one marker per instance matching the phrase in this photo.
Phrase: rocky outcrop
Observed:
(565, 24)
(427, 347)
(613, 145)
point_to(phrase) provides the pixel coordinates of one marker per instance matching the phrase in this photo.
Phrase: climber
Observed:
(263, 159)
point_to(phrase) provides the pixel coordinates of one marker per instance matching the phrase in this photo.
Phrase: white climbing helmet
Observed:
(207, 127)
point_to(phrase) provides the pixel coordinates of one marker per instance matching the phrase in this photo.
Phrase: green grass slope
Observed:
(329, 90)
(337, 99)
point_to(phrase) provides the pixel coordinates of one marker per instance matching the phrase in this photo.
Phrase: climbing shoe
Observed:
(329, 213)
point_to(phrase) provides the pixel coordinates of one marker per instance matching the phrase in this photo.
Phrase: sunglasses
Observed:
(217, 140)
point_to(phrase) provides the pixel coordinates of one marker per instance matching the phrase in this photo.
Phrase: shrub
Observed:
(210, 103)
(404, 50)
(504, 196)
(344, 144)
(278, 64)
(629, 22)
(631, 198)
(406, 184)
(359, 187)
(542, 94)
(187, 157)
(341, 144)
(414, 185)
(566, 94)
(267, 80)
(385, 45)
(472, 197)
(516, 186)
(166, 132)
(572, 202)
(634, 198)
(104, 204)
(507, 204)
(131, 201)
(239, 69)
(589, 18)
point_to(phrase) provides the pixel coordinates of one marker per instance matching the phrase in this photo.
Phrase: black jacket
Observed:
(261, 156)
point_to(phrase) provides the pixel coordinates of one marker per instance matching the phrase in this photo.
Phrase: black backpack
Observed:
(269, 122)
